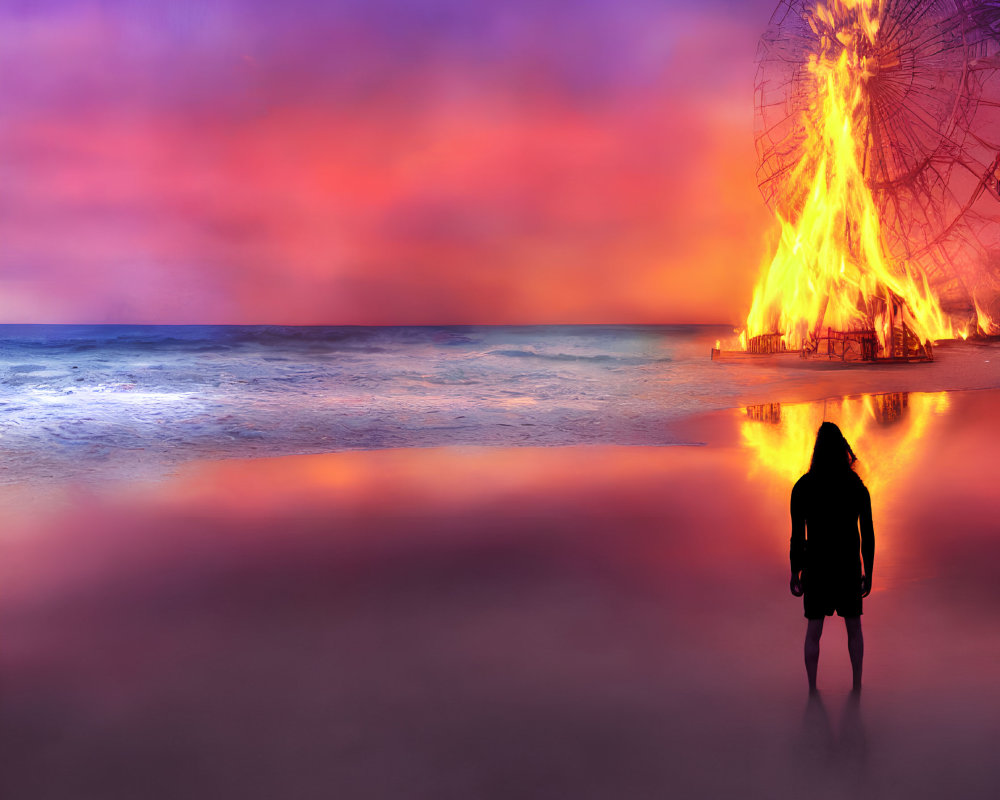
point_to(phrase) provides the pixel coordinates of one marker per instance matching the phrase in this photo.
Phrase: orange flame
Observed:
(831, 268)
(986, 324)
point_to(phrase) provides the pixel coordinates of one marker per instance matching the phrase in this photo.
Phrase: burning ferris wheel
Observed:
(877, 132)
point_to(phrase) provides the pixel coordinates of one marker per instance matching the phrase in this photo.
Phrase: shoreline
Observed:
(149, 404)
(709, 428)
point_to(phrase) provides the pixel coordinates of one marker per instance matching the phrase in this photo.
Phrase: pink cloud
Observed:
(447, 194)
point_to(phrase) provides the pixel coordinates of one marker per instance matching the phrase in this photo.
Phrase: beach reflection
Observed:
(496, 622)
(886, 432)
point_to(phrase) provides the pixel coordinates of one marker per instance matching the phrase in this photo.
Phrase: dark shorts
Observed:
(821, 607)
(828, 598)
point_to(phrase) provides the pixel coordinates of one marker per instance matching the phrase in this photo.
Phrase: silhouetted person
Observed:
(828, 504)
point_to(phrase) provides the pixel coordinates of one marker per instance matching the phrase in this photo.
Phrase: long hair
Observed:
(831, 454)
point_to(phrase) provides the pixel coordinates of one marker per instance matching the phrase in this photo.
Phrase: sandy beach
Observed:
(507, 622)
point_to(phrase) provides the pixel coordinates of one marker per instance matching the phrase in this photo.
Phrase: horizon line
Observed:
(365, 325)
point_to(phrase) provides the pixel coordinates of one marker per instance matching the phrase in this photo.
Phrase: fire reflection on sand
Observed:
(886, 431)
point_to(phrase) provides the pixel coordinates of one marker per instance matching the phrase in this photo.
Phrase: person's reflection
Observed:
(853, 744)
(828, 758)
(817, 741)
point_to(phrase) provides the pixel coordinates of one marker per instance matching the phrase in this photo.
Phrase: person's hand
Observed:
(866, 585)
(796, 584)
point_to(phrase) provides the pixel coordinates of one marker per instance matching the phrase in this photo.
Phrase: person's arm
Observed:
(797, 548)
(867, 540)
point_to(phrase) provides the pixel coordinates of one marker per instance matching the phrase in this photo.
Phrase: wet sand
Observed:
(588, 622)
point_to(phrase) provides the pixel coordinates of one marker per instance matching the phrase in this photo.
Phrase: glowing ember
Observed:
(831, 270)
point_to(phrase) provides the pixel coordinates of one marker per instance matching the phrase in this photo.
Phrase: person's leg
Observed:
(856, 647)
(813, 632)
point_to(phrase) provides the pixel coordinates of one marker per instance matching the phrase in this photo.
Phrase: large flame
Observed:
(831, 268)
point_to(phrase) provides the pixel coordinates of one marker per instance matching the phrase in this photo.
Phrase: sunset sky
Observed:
(378, 161)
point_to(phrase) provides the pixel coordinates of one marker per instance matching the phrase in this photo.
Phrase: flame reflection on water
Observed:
(886, 432)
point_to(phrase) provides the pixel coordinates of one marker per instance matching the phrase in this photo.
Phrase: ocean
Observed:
(95, 402)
